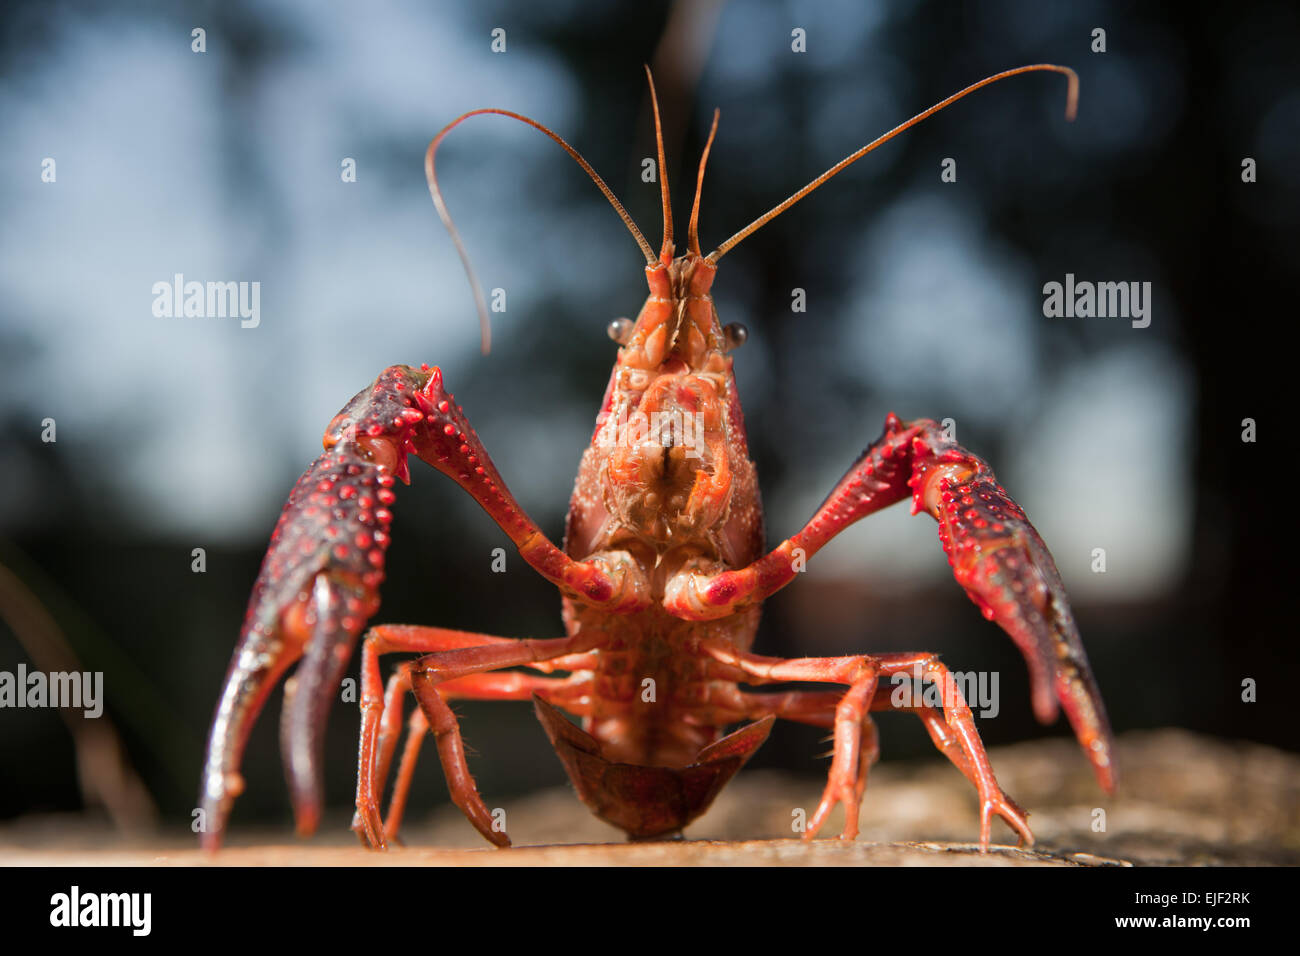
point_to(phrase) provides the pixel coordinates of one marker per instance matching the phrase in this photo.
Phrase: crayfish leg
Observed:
(956, 738)
(447, 652)
(855, 738)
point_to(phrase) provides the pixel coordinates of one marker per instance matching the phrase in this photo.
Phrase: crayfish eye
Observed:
(620, 330)
(736, 335)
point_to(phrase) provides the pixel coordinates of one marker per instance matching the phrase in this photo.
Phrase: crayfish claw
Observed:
(1000, 560)
(1020, 589)
(309, 694)
(259, 662)
(317, 587)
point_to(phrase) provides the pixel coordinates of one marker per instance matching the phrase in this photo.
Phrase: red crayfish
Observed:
(662, 572)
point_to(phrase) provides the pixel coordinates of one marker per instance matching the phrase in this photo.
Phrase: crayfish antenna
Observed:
(431, 175)
(666, 250)
(1071, 107)
(693, 230)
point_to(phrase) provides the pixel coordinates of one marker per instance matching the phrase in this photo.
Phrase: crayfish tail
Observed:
(647, 803)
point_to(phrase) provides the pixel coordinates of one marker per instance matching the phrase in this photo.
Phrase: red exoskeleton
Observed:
(663, 575)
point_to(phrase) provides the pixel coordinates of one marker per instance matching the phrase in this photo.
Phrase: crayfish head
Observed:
(666, 435)
(679, 322)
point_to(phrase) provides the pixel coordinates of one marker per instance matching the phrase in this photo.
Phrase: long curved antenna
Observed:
(429, 173)
(1071, 104)
(693, 230)
(666, 250)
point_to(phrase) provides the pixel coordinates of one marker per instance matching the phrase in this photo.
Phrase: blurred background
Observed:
(923, 297)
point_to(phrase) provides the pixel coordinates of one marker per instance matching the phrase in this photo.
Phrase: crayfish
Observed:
(662, 574)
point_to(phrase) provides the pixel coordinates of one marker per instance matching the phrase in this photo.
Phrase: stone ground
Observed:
(1184, 800)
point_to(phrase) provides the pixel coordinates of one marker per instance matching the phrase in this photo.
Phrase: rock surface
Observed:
(1184, 800)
